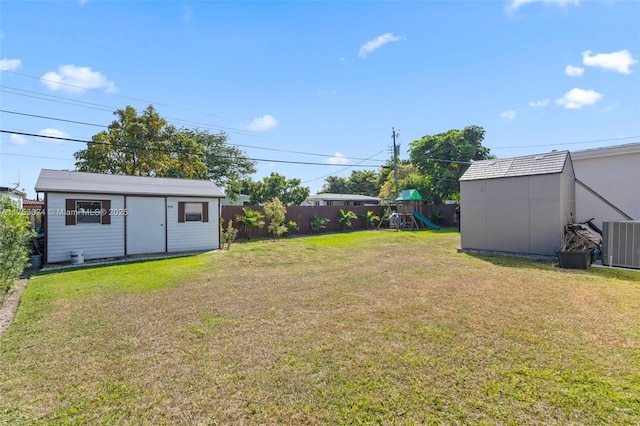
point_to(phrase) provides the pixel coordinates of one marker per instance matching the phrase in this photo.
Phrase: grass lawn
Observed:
(372, 327)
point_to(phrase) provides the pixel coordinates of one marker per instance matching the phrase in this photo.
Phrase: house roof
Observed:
(31, 203)
(630, 148)
(98, 183)
(409, 195)
(530, 165)
(342, 197)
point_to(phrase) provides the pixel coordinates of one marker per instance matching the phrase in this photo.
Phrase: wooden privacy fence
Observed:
(302, 214)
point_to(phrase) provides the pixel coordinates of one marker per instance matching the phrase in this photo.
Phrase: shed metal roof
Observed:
(99, 183)
(530, 165)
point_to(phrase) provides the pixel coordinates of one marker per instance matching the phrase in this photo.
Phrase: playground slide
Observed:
(426, 221)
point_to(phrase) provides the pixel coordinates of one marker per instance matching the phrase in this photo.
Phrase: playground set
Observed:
(407, 215)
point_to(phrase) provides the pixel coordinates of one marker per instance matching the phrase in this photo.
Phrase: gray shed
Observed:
(517, 205)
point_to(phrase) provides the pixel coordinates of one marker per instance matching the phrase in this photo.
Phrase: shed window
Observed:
(87, 211)
(193, 212)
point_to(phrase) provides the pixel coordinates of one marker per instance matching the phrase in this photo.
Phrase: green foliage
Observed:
(318, 223)
(227, 235)
(276, 212)
(369, 218)
(146, 145)
(250, 219)
(444, 157)
(436, 217)
(345, 218)
(15, 231)
(274, 186)
(361, 182)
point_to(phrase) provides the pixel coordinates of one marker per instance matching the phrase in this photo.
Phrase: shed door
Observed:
(146, 225)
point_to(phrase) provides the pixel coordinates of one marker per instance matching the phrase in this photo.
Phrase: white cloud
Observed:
(53, 133)
(263, 123)
(73, 79)
(17, 139)
(572, 71)
(338, 159)
(508, 115)
(513, 5)
(539, 104)
(616, 61)
(577, 98)
(376, 43)
(10, 64)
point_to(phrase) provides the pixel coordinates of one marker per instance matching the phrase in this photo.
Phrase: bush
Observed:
(15, 231)
(345, 218)
(318, 223)
(228, 235)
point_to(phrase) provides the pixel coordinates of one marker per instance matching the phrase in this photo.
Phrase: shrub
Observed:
(276, 212)
(318, 223)
(228, 235)
(345, 218)
(368, 218)
(15, 231)
(250, 219)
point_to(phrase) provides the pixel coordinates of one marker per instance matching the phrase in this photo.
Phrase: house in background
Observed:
(341, 200)
(14, 195)
(517, 205)
(608, 183)
(106, 216)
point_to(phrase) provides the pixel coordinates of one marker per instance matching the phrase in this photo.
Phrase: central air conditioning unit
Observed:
(621, 244)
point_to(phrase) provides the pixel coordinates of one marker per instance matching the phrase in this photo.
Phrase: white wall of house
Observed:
(185, 236)
(614, 173)
(94, 239)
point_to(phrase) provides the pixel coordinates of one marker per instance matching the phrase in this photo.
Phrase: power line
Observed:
(228, 143)
(342, 170)
(177, 152)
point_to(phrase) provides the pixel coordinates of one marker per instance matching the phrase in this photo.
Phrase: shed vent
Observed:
(621, 244)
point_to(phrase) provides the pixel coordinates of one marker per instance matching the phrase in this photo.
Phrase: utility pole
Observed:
(396, 151)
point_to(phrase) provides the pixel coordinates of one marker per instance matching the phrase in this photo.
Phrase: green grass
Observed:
(375, 327)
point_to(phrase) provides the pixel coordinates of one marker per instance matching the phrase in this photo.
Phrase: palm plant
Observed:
(250, 219)
(345, 218)
(317, 223)
(368, 218)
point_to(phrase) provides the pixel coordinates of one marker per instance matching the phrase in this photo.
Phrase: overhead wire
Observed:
(177, 152)
(228, 143)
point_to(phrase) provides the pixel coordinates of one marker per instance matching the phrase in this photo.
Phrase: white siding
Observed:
(188, 236)
(95, 240)
(616, 178)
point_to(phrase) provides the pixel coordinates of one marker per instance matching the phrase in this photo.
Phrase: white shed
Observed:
(517, 205)
(106, 215)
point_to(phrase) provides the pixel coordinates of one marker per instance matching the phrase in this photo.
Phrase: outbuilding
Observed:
(103, 215)
(517, 205)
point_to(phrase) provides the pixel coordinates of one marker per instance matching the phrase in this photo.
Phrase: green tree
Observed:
(250, 219)
(345, 218)
(276, 213)
(335, 185)
(274, 186)
(146, 145)
(15, 231)
(361, 182)
(445, 157)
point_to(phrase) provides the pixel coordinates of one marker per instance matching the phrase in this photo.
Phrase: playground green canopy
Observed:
(409, 195)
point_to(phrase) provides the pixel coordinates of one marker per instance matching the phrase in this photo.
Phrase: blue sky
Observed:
(319, 82)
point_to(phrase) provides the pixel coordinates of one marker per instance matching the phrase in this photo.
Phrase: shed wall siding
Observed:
(519, 215)
(473, 210)
(95, 240)
(188, 236)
